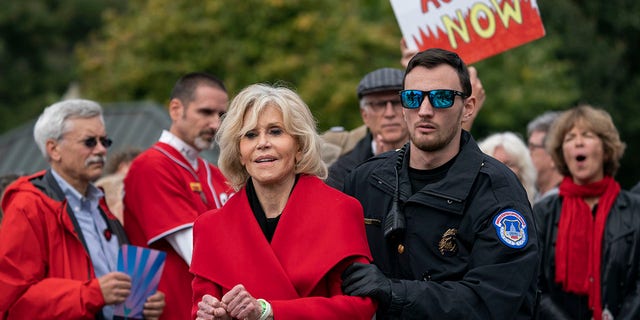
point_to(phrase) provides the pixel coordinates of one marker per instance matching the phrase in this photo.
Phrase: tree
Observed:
(36, 52)
(521, 84)
(319, 48)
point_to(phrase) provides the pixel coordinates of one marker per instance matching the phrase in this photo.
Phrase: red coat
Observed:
(320, 233)
(45, 271)
(162, 195)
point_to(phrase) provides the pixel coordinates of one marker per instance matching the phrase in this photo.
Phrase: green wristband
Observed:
(266, 309)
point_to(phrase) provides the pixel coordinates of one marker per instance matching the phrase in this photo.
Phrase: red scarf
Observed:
(579, 240)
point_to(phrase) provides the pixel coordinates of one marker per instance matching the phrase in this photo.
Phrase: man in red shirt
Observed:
(169, 185)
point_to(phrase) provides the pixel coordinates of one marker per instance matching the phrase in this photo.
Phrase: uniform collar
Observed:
(455, 186)
(460, 177)
(188, 152)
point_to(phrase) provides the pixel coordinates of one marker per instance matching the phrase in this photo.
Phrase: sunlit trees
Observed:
(37, 39)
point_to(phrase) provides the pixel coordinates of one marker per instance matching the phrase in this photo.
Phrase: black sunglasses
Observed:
(439, 99)
(92, 142)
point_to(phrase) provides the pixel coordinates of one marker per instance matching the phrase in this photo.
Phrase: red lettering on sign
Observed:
(425, 4)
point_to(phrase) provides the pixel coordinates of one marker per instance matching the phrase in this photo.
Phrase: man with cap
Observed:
(381, 113)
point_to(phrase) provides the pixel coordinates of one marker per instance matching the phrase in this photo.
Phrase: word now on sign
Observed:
(474, 29)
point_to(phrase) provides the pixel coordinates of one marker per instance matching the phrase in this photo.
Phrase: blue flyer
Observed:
(144, 266)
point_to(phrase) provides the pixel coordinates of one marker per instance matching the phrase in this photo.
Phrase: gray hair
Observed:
(52, 123)
(542, 122)
(515, 147)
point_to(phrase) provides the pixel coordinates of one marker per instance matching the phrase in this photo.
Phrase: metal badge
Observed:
(375, 222)
(448, 245)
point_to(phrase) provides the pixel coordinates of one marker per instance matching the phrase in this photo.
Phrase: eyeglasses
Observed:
(380, 105)
(92, 142)
(439, 99)
(533, 146)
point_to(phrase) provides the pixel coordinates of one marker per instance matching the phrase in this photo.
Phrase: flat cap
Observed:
(385, 79)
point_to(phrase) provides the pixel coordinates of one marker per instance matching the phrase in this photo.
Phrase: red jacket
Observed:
(45, 271)
(320, 233)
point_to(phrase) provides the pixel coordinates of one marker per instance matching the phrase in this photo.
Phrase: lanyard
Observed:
(195, 175)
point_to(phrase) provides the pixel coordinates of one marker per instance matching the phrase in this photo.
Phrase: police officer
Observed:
(450, 228)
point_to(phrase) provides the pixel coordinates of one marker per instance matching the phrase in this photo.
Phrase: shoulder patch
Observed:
(511, 228)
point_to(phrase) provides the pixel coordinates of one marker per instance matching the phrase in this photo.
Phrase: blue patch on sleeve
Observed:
(511, 228)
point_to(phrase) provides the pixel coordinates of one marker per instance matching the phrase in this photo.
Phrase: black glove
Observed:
(366, 280)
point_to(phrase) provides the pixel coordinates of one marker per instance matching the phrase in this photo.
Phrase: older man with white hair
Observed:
(59, 241)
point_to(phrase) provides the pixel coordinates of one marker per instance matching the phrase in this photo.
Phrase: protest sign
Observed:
(475, 29)
(144, 266)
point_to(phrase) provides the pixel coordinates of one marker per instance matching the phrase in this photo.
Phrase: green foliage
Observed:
(528, 81)
(36, 46)
(319, 48)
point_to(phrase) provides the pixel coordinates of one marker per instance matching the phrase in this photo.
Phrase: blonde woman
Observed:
(278, 247)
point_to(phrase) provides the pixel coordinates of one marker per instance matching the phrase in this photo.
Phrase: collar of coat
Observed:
(319, 227)
(44, 186)
(455, 187)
